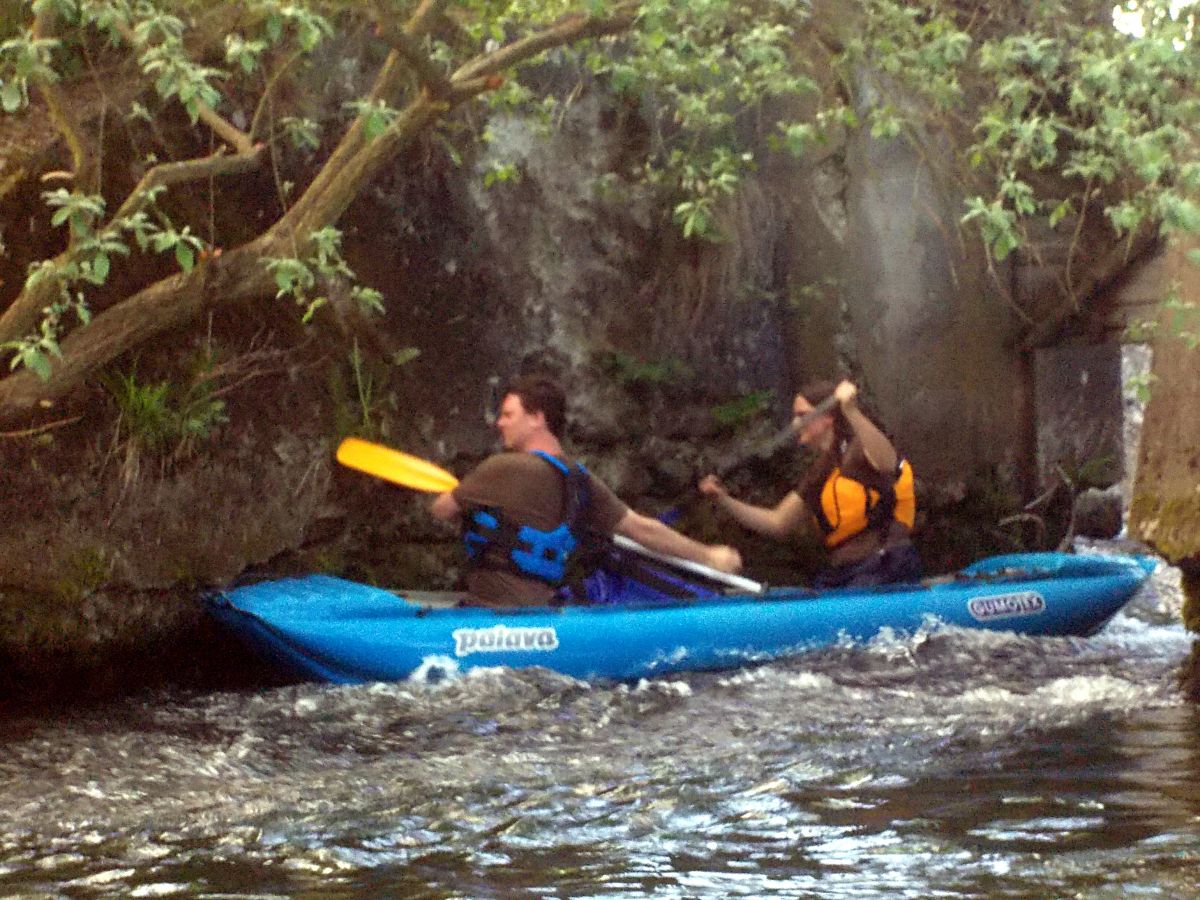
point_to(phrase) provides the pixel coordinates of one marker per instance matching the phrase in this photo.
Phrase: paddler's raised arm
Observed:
(877, 449)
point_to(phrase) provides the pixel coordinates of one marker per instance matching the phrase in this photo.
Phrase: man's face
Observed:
(516, 426)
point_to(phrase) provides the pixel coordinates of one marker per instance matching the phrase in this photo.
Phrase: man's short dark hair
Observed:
(541, 394)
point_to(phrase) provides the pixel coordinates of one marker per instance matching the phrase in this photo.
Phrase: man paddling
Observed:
(525, 512)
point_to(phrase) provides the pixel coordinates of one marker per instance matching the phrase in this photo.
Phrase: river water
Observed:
(951, 763)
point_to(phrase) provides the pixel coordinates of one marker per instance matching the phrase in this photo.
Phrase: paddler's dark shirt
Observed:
(528, 491)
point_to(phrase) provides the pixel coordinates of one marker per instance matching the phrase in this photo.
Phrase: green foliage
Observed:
(704, 70)
(303, 133)
(1140, 331)
(376, 116)
(743, 409)
(706, 183)
(500, 173)
(34, 351)
(24, 60)
(87, 263)
(364, 388)
(1182, 317)
(1099, 471)
(307, 279)
(246, 54)
(1178, 318)
(177, 77)
(77, 209)
(404, 356)
(1101, 108)
(183, 244)
(1140, 386)
(639, 373)
(363, 405)
(1066, 118)
(162, 417)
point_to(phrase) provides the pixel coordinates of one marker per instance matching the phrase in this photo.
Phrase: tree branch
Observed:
(354, 140)
(165, 174)
(427, 70)
(225, 130)
(1100, 273)
(83, 159)
(424, 18)
(24, 312)
(168, 303)
(472, 88)
(566, 30)
(173, 301)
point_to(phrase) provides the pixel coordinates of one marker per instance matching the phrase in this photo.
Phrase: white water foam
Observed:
(434, 669)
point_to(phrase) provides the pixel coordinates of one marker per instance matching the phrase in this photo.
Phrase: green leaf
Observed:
(1179, 213)
(312, 308)
(185, 256)
(367, 298)
(11, 96)
(624, 78)
(36, 362)
(799, 137)
(1003, 244)
(1060, 212)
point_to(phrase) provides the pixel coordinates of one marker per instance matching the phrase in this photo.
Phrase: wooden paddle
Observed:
(420, 474)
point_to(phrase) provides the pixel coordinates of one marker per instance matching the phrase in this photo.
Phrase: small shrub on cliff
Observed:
(637, 373)
(163, 418)
(742, 409)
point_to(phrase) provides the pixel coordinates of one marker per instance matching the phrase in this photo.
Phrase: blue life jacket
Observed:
(494, 541)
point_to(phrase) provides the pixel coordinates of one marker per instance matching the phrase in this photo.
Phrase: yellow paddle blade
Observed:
(392, 465)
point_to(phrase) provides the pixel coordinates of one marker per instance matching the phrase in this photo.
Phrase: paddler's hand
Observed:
(846, 393)
(724, 559)
(711, 486)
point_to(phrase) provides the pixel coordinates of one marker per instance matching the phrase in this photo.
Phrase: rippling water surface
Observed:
(951, 763)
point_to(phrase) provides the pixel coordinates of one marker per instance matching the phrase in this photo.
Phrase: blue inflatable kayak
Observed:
(339, 631)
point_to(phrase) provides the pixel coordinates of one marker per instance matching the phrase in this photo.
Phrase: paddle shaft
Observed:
(825, 406)
(782, 439)
(686, 565)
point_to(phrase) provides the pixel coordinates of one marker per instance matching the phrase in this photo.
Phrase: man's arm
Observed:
(654, 535)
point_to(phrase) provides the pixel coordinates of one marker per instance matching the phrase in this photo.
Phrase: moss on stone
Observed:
(1171, 526)
(81, 574)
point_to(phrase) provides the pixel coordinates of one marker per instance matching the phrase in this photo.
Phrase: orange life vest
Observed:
(849, 507)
